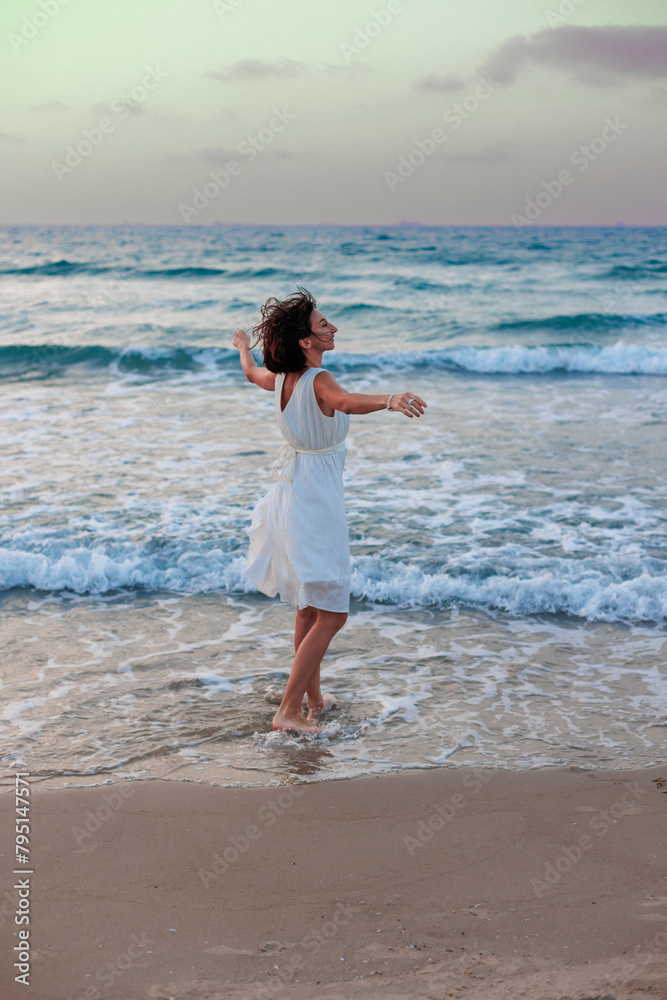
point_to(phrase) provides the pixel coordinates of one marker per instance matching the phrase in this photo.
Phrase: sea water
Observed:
(509, 571)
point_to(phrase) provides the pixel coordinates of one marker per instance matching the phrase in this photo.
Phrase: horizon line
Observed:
(342, 225)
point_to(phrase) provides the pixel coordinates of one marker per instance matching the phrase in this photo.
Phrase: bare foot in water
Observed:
(295, 724)
(318, 708)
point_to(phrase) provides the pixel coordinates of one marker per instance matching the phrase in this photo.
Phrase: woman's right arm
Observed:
(330, 392)
(260, 376)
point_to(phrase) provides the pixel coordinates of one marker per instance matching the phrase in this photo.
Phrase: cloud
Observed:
(225, 115)
(218, 156)
(130, 107)
(439, 84)
(257, 69)
(215, 154)
(50, 106)
(373, 107)
(351, 68)
(285, 154)
(616, 50)
(489, 155)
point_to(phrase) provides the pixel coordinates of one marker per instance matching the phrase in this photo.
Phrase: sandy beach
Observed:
(442, 883)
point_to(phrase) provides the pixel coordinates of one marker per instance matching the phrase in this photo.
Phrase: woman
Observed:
(298, 539)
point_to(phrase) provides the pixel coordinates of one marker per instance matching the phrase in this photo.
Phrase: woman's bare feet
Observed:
(294, 723)
(318, 708)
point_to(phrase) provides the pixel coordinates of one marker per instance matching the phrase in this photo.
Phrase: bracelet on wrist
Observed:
(389, 400)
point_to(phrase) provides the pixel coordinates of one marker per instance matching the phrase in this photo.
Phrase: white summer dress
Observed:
(299, 545)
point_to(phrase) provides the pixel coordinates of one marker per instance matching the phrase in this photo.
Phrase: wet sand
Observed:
(443, 883)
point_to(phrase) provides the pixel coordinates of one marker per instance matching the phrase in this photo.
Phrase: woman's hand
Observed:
(407, 403)
(241, 339)
(253, 372)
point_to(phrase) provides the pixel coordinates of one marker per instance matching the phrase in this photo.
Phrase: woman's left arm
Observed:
(332, 394)
(260, 376)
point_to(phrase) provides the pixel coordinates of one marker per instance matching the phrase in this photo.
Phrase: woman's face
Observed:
(323, 330)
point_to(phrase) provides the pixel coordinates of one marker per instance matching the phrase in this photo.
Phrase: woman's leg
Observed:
(314, 691)
(305, 619)
(313, 644)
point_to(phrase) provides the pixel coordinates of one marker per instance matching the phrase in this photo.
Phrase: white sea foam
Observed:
(84, 571)
(616, 359)
(189, 363)
(598, 588)
(562, 586)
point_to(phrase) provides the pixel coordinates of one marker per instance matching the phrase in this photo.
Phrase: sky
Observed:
(334, 111)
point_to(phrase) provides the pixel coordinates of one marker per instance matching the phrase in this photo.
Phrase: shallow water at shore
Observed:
(173, 687)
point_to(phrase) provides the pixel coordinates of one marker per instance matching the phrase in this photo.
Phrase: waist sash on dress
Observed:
(284, 466)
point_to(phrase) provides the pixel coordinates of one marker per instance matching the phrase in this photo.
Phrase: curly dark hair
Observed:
(284, 323)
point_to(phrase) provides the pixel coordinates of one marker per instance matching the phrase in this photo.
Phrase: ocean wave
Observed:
(176, 272)
(142, 360)
(28, 357)
(507, 359)
(585, 359)
(93, 571)
(635, 272)
(571, 587)
(425, 285)
(593, 589)
(354, 308)
(248, 273)
(66, 268)
(584, 322)
(515, 359)
(58, 268)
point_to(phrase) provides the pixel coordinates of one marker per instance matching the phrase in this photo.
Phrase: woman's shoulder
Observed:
(320, 371)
